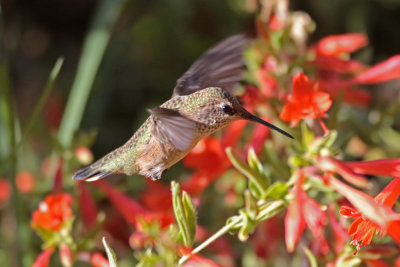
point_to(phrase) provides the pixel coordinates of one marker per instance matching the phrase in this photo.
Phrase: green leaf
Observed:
(247, 171)
(180, 216)
(250, 204)
(190, 213)
(112, 259)
(276, 191)
(95, 44)
(311, 257)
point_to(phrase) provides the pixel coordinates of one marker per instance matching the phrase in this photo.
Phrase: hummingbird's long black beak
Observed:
(248, 116)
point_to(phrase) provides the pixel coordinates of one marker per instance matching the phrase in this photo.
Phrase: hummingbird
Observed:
(202, 103)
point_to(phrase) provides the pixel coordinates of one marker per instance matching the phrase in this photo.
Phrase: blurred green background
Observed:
(152, 44)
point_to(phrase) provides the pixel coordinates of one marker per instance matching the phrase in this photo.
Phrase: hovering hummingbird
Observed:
(202, 102)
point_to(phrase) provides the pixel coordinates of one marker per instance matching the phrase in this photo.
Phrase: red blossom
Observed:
(363, 228)
(335, 45)
(5, 190)
(338, 65)
(65, 255)
(84, 155)
(382, 167)
(131, 210)
(25, 182)
(382, 72)
(53, 211)
(258, 137)
(98, 260)
(43, 259)
(339, 233)
(340, 167)
(267, 83)
(294, 219)
(307, 101)
(87, 206)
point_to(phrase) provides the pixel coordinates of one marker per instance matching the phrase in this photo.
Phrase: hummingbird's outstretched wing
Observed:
(172, 128)
(221, 66)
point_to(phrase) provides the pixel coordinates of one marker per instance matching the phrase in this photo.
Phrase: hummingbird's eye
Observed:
(227, 109)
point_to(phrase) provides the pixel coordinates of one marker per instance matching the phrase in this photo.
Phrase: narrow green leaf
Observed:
(276, 191)
(93, 50)
(245, 169)
(190, 214)
(180, 213)
(112, 259)
(43, 98)
(250, 204)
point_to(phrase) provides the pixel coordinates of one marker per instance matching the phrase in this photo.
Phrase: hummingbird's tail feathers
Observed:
(90, 174)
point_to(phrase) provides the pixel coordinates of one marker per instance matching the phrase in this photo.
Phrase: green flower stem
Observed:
(93, 50)
(267, 210)
(211, 239)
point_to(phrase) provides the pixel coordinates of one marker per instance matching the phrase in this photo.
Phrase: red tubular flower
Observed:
(267, 83)
(87, 206)
(53, 212)
(363, 229)
(84, 155)
(294, 219)
(339, 234)
(65, 255)
(258, 138)
(306, 101)
(382, 72)
(338, 65)
(5, 190)
(340, 167)
(98, 260)
(25, 182)
(334, 45)
(43, 259)
(383, 167)
(128, 207)
(316, 220)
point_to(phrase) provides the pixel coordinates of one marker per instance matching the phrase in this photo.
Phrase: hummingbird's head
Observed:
(219, 108)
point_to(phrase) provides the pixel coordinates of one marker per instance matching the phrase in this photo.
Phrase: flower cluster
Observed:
(296, 194)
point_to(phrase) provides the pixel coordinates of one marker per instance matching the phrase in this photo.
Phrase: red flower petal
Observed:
(390, 193)
(349, 212)
(364, 203)
(335, 45)
(307, 101)
(5, 190)
(44, 258)
(338, 65)
(98, 260)
(128, 208)
(87, 205)
(382, 72)
(383, 167)
(294, 220)
(337, 166)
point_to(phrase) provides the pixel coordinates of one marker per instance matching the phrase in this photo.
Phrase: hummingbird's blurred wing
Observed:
(172, 128)
(221, 66)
